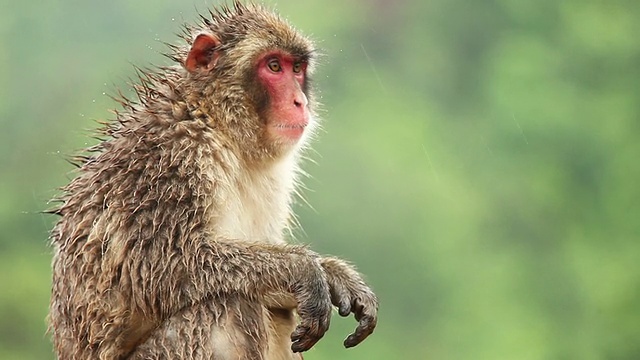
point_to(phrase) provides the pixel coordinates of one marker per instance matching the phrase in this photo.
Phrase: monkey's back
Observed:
(137, 198)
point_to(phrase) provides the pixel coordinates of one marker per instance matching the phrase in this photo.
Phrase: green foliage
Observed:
(479, 163)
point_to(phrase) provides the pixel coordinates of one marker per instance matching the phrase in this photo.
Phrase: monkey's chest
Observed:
(256, 213)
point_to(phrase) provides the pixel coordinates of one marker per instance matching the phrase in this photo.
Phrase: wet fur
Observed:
(170, 242)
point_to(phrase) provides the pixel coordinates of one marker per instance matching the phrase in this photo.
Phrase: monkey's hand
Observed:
(351, 295)
(314, 307)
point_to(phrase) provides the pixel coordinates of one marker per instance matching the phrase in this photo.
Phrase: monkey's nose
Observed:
(300, 100)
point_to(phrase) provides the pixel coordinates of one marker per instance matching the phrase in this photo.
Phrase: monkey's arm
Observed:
(251, 271)
(351, 295)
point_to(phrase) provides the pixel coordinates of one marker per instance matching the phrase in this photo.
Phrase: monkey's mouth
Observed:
(289, 131)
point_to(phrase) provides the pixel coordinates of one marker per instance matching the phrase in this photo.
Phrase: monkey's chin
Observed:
(287, 133)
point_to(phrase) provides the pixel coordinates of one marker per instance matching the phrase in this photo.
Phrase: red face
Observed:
(283, 77)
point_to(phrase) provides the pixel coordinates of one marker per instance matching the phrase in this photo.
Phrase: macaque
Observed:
(171, 237)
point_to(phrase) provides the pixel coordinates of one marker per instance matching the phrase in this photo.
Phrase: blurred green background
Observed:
(479, 164)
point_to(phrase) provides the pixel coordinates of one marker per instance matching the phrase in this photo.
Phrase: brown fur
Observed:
(171, 243)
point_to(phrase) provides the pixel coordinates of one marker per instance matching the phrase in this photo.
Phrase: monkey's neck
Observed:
(258, 205)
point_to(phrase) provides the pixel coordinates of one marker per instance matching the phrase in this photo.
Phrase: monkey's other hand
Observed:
(351, 295)
(314, 308)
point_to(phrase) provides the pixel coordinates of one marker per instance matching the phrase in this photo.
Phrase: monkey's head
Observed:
(248, 70)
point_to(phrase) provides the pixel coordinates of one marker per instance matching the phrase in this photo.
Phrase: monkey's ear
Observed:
(203, 54)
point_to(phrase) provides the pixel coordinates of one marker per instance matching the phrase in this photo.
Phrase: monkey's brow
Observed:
(304, 55)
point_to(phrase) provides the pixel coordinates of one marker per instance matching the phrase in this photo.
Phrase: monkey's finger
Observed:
(298, 339)
(344, 307)
(299, 333)
(303, 345)
(364, 329)
(341, 298)
(303, 339)
(358, 310)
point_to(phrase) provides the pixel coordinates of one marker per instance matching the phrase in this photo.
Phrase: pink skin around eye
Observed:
(288, 115)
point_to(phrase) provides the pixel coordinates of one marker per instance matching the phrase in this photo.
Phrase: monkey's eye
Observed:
(297, 67)
(274, 65)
